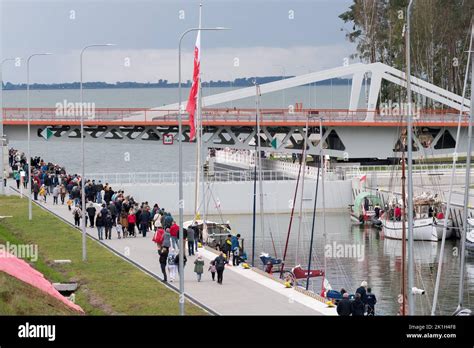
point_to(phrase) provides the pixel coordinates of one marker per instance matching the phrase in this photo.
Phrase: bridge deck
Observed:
(231, 117)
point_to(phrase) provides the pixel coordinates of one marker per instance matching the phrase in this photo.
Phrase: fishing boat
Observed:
(213, 234)
(363, 211)
(426, 225)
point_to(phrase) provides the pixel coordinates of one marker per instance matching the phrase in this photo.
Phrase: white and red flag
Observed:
(193, 94)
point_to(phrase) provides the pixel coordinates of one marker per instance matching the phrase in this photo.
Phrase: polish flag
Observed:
(193, 94)
(363, 178)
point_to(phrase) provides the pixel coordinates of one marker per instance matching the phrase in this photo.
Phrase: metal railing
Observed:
(222, 115)
(188, 177)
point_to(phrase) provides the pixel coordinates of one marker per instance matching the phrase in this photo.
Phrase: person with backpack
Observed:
(176, 260)
(212, 269)
(163, 252)
(199, 266)
(158, 237)
(371, 301)
(167, 238)
(77, 213)
(172, 266)
(108, 224)
(99, 223)
(220, 262)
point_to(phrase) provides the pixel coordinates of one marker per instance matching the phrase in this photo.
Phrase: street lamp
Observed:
(180, 170)
(83, 196)
(28, 155)
(2, 190)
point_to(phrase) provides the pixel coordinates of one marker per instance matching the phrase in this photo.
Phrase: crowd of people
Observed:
(108, 211)
(362, 304)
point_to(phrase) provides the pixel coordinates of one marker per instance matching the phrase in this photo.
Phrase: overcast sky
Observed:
(266, 35)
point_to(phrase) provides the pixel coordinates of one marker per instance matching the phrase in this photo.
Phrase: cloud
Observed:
(143, 65)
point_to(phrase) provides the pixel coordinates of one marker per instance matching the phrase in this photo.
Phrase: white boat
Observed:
(211, 233)
(423, 229)
(439, 224)
(470, 234)
(426, 226)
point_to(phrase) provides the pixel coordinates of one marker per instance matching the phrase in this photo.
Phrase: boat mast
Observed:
(404, 221)
(300, 216)
(453, 170)
(254, 216)
(259, 157)
(291, 221)
(411, 298)
(312, 226)
(323, 169)
(467, 184)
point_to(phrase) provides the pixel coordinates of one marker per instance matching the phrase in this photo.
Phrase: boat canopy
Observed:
(359, 201)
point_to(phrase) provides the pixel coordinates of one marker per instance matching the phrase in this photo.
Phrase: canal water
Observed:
(376, 260)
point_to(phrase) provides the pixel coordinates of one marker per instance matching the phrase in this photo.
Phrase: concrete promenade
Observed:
(244, 291)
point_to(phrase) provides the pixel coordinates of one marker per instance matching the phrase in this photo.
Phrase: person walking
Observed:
(174, 232)
(145, 221)
(199, 266)
(371, 301)
(344, 307)
(212, 269)
(62, 193)
(167, 238)
(55, 194)
(220, 262)
(91, 213)
(163, 252)
(172, 267)
(43, 192)
(124, 222)
(362, 290)
(99, 223)
(108, 224)
(77, 213)
(190, 237)
(235, 250)
(132, 218)
(357, 306)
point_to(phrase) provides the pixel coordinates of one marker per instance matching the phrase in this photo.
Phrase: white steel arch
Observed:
(377, 71)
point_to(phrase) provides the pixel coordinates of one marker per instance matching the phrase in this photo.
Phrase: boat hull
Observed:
(470, 235)
(423, 229)
(440, 226)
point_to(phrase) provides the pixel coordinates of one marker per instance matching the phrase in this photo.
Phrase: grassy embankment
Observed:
(108, 285)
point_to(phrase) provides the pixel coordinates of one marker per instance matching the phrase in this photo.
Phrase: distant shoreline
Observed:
(237, 83)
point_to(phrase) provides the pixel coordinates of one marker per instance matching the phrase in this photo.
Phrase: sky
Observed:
(267, 37)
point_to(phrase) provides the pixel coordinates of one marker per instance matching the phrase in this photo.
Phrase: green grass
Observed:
(107, 284)
(19, 298)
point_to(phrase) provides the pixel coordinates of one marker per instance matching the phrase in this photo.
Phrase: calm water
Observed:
(380, 262)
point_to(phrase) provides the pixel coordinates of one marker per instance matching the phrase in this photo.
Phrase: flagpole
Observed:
(180, 169)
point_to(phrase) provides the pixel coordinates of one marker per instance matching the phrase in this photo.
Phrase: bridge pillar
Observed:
(355, 91)
(375, 83)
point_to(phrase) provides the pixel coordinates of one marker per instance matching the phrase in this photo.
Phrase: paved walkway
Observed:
(244, 292)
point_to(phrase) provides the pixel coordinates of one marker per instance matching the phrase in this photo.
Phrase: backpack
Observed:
(171, 260)
(159, 236)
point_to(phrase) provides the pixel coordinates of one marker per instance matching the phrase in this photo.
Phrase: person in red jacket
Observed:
(398, 213)
(132, 219)
(174, 233)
